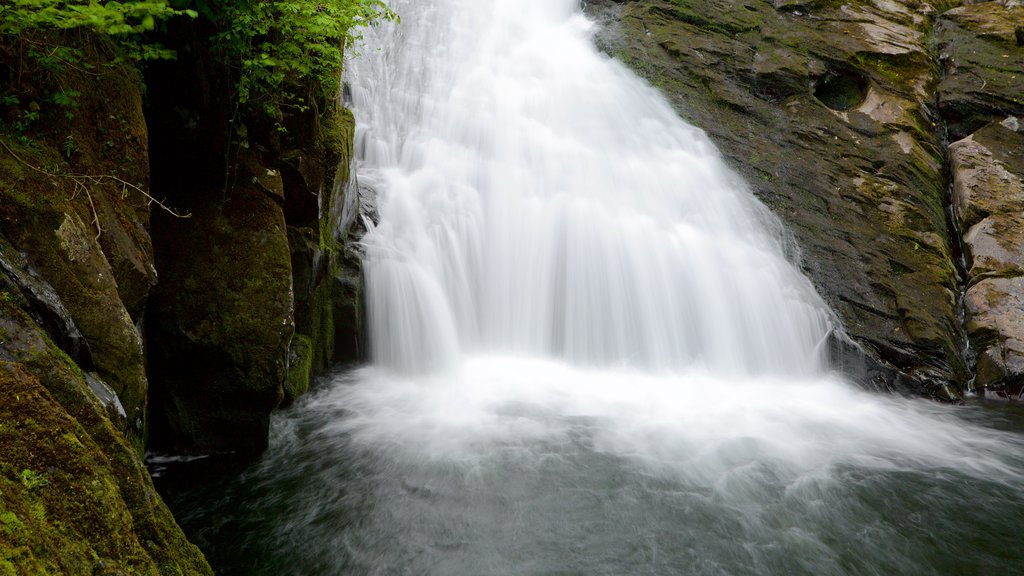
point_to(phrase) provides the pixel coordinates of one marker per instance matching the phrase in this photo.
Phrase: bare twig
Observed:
(80, 185)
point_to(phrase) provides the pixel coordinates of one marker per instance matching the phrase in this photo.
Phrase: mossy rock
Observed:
(72, 202)
(74, 496)
(983, 66)
(220, 320)
(300, 368)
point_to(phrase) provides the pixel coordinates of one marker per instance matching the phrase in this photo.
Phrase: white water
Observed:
(538, 199)
(590, 354)
(553, 238)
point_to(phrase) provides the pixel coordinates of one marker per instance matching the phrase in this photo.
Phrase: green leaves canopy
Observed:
(18, 16)
(281, 40)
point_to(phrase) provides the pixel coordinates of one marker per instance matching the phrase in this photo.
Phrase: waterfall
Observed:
(538, 199)
(591, 354)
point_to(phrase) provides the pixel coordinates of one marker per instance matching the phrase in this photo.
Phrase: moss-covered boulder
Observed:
(825, 109)
(220, 320)
(74, 496)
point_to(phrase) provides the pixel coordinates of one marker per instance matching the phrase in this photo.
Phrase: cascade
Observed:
(539, 199)
(591, 353)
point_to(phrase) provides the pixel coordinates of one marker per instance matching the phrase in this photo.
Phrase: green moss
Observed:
(896, 71)
(299, 368)
(32, 480)
(71, 490)
(10, 523)
(710, 15)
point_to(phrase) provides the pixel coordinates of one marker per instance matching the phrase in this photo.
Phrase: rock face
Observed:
(321, 233)
(981, 49)
(826, 109)
(73, 214)
(76, 267)
(988, 169)
(221, 318)
(74, 496)
(982, 95)
(245, 314)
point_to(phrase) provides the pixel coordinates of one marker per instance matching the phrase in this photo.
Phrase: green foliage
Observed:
(68, 147)
(21, 16)
(274, 44)
(41, 39)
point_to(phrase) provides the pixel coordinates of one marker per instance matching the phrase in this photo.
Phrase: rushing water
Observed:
(591, 354)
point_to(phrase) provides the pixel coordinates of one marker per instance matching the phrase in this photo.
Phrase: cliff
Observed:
(128, 323)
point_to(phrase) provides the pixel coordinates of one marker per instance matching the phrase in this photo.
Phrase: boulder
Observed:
(220, 320)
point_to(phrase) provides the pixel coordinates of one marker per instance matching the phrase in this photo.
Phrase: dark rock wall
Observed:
(244, 315)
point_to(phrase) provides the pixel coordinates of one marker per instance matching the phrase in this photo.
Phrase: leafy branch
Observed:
(274, 43)
(114, 18)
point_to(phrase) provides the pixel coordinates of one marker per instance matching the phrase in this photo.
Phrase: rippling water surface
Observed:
(591, 354)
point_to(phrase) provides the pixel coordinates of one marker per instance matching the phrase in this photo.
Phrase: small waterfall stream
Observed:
(591, 353)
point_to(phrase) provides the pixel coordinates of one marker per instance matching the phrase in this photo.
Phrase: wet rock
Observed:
(321, 240)
(72, 212)
(841, 90)
(825, 109)
(995, 308)
(300, 368)
(988, 176)
(982, 63)
(220, 320)
(35, 295)
(73, 492)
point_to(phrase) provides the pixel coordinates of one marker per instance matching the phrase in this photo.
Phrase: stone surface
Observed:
(988, 177)
(825, 109)
(982, 63)
(74, 496)
(220, 320)
(322, 240)
(71, 210)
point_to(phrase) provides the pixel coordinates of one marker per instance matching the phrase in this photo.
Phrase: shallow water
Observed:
(591, 354)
